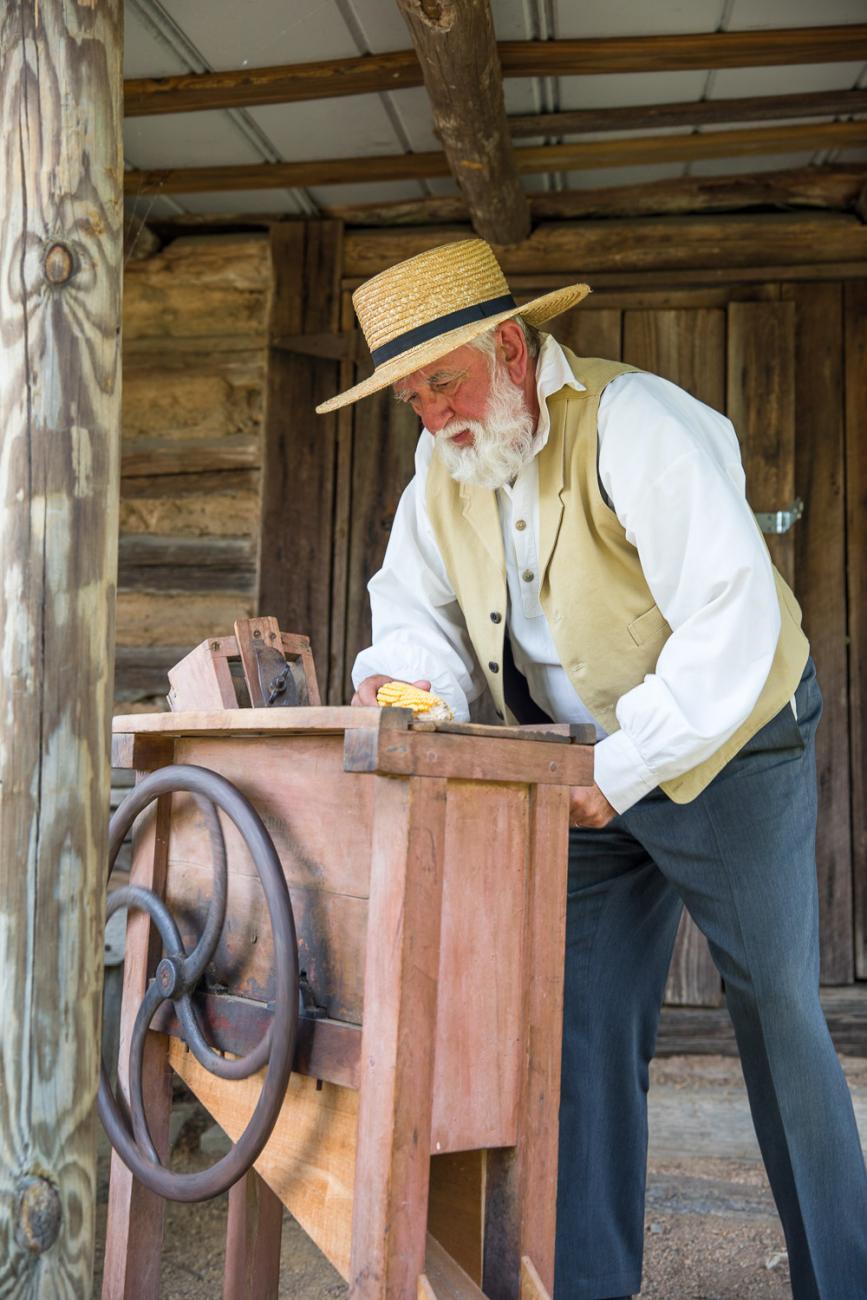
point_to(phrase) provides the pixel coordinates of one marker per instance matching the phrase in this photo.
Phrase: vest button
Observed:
(499, 714)
(495, 668)
(528, 575)
(496, 617)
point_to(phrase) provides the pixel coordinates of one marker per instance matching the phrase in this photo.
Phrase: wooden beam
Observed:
(810, 187)
(576, 156)
(703, 112)
(843, 188)
(373, 73)
(61, 240)
(651, 244)
(457, 50)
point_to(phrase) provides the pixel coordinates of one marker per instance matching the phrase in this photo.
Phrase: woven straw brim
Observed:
(535, 313)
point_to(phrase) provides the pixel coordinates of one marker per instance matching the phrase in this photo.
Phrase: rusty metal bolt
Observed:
(59, 263)
(38, 1215)
(168, 976)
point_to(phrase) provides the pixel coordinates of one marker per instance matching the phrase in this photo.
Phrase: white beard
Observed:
(502, 445)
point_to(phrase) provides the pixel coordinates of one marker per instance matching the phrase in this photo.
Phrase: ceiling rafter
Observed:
(373, 73)
(457, 50)
(831, 187)
(704, 112)
(841, 188)
(574, 156)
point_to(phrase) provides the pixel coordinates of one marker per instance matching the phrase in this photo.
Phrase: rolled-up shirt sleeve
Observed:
(671, 467)
(418, 628)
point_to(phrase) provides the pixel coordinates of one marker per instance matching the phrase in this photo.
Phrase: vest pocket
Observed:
(649, 626)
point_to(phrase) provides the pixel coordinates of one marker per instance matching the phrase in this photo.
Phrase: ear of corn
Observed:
(424, 704)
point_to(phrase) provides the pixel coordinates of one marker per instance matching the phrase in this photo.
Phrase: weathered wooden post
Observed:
(60, 292)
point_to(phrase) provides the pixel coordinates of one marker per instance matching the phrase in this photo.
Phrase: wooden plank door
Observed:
(687, 346)
(784, 396)
(855, 327)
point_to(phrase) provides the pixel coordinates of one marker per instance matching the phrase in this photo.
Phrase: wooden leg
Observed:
(134, 1232)
(389, 1220)
(253, 1233)
(521, 1182)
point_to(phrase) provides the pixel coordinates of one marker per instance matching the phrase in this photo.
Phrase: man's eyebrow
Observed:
(403, 394)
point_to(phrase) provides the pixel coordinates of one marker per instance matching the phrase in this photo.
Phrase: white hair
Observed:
(487, 342)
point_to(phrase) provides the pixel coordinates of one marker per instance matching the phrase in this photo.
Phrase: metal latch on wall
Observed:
(780, 521)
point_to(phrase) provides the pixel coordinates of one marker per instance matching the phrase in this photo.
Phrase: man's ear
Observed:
(515, 354)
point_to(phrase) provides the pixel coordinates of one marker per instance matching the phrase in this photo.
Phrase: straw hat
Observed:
(433, 303)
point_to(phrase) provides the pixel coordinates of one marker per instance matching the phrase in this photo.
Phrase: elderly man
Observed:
(577, 539)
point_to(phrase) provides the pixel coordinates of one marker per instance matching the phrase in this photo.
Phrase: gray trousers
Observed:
(741, 858)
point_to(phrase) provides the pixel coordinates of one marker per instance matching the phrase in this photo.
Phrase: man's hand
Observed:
(589, 807)
(366, 693)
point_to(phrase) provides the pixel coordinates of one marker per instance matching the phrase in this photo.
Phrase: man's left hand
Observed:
(589, 807)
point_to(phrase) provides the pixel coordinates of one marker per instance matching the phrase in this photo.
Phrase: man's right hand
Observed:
(366, 693)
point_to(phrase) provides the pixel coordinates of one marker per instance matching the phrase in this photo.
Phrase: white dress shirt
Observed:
(671, 469)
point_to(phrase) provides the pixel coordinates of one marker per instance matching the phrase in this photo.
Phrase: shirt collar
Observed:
(553, 372)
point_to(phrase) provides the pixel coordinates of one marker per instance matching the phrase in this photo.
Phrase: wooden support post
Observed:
(389, 1216)
(457, 50)
(253, 1232)
(61, 168)
(134, 1232)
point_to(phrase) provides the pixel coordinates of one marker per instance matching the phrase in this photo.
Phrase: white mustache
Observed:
(502, 443)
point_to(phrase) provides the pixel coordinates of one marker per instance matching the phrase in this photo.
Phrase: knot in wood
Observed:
(58, 263)
(439, 15)
(39, 1213)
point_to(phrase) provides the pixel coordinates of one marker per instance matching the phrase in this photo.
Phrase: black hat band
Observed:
(442, 325)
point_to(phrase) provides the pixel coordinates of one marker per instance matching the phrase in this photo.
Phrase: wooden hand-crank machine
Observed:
(356, 965)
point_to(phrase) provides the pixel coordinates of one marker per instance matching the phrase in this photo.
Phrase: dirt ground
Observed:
(711, 1231)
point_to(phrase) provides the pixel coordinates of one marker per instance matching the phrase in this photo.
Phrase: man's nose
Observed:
(435, 411)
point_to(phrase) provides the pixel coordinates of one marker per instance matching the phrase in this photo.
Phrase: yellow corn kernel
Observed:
(423, 703)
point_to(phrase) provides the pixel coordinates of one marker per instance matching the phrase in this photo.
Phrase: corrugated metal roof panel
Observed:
(380, 192)
(616, 89)
(186, 140)
(627, 18)
(734, 166)
(329, 128)
(233, 35)
(602, 177)
(733, 83)
(247, 201)
(756, 15)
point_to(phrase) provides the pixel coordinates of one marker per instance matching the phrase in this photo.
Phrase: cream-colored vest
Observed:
(606, 627)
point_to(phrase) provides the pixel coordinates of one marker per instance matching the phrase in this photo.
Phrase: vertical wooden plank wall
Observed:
(61, 221)
(300, 447)
(856, 516)
(819, 540)
(687, 346)
(383, 456)
(761, 405)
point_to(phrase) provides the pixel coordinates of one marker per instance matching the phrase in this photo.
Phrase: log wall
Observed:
(195, 327)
